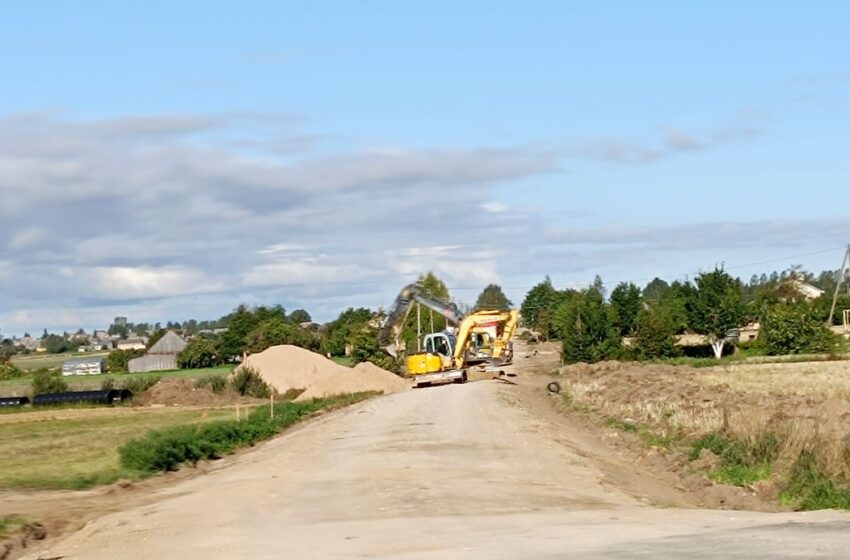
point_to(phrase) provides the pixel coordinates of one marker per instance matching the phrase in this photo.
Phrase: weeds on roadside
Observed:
(744, 461)
(167, 450)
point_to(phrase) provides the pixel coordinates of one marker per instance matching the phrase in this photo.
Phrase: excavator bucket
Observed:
(392, 350)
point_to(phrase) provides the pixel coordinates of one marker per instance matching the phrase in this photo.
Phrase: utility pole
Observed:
(843, 275)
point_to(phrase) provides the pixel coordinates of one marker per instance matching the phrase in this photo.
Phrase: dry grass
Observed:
(79, 448)
(827, 379)
(805, 406)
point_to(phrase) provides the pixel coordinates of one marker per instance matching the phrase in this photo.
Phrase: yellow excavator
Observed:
(480, 339)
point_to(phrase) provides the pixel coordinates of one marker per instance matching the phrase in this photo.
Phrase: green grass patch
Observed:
(71, 449)
(744, 461)
(167, 450)
(808, 488)
(741, 475)
(10, 525)
(621, 425)
(346, 361)
(82, 382)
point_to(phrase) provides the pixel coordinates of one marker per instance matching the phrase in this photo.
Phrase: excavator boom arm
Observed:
(400, 309)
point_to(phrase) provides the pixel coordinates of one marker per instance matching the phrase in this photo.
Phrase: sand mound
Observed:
(290, 367)
(171, 392)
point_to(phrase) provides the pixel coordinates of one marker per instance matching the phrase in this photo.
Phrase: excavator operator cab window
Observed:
(438, 344)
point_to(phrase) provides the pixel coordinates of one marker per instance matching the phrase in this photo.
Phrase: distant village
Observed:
(121, 335)
(169, 341)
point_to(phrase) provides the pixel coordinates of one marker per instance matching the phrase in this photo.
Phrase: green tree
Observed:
(714, 307)
(274, 332)
(625, 303)
(199, 353)
(588, 333)
(541, 306)
(55, 344)
(655, 333)
(492, 297)
(795, 328)
(240, 322)
(340, 332)
(299, 316)
(119, 360)
(48, 381)
(366, 348)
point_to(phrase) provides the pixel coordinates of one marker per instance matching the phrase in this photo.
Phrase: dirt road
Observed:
(461, 471)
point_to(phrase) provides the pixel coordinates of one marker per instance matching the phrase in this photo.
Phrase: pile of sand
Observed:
(290, 367)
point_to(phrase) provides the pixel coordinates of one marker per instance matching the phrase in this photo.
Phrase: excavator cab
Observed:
(436, 356)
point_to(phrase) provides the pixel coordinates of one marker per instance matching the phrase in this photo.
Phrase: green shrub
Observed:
(795, 328)
(247, 382)
(140, 384)
(48, 381)
(9, 371)
(167, 450)
(216, 383)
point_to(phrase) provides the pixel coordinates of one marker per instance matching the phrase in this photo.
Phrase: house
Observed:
(749, 332)
(139, 343)
(83, 366)
(805, 289)
(162, 355)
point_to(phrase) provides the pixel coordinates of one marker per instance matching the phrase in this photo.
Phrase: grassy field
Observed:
(93, 381)
(79, 448)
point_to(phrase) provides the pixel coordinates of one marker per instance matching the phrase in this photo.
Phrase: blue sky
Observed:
(168, 161)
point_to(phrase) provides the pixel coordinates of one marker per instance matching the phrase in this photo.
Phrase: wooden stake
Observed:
(271, 408)
(237, 411)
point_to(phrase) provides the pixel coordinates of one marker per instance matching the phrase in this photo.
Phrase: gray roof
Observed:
(170, 343)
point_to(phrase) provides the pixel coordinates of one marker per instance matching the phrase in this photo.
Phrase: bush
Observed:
(795, 328)
(139, 384)
(9, 371)
(216, 383)
(47, 381)
(166, 450)
(247, 382)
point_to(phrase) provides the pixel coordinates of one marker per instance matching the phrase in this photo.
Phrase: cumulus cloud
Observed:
(129, 211)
